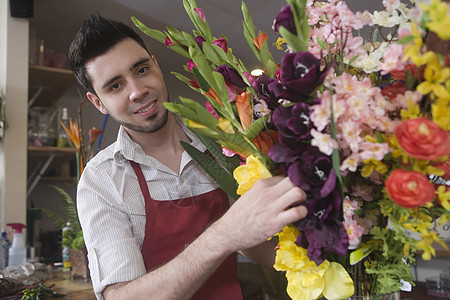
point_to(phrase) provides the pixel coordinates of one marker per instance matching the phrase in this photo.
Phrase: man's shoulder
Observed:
(104, 156)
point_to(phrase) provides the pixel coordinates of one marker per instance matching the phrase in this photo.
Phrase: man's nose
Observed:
(137, 90)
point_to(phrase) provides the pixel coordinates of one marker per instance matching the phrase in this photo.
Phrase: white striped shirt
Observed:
(112, 210)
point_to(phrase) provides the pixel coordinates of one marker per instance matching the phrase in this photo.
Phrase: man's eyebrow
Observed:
(135, 65)
(108, 82)
(139, 62)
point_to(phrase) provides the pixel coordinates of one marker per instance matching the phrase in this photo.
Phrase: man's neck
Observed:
(163, 144)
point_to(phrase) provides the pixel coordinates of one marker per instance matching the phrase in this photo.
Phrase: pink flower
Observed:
(211, 110)
(349, 207)
(323, 141)
(168, 41)
(376, 151)
(350, 163)
(222, 43)
(191, 65)
(199, 11)
(354, 232)
(392, 59)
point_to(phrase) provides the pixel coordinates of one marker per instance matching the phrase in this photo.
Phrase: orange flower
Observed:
(409, 189)
(259, 40)
(244, 110)
(73, 133)
(265, 140)
(421, 138)
(213, 95)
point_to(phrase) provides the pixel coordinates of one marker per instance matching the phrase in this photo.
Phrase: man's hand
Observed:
(262, 212)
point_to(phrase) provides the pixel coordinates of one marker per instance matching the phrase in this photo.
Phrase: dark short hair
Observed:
(97, 36)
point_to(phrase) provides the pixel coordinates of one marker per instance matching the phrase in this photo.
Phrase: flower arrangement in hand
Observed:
(360, 125)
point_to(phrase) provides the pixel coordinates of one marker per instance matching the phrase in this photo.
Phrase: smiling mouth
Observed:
(146, 109)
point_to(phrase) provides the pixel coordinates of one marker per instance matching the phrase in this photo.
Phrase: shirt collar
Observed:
(126, 149)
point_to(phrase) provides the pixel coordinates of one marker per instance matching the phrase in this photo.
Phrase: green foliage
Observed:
(389, 265)
(220, 175)
(72, 238)
(40, 292)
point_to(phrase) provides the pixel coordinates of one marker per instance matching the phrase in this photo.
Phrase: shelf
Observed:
(47, 84)
(43, 159)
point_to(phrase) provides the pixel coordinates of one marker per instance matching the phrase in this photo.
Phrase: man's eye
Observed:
(142, 70)
(114, 87)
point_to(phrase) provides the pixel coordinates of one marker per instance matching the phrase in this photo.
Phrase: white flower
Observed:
(383, 18)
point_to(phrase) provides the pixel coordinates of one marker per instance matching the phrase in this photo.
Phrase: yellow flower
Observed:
(439, 18)
(247, 175)
(373, 165)
(444, 196)
(412, 111)
(280, 41)
(435, 76)
(426, 245)
(412, 51)
(306, 280)
(441, 117)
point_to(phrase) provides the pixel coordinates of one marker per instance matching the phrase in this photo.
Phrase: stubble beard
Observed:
(157, 122)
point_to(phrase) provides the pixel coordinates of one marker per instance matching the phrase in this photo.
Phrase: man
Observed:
(155, 225)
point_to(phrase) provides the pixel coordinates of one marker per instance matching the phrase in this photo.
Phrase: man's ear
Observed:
(97, 103)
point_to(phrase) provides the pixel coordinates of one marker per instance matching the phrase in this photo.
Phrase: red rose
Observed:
(422, 139)
(409, 189)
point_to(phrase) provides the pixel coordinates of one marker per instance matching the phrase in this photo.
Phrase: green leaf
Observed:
(256, 127)
(198, 113)
(204, 85)
(297, 43)
(353, 59)
(229, 163)
(248, 22)
(181, 77)
(335, 159)
(213, 169)
(153, 33)
(322, 43)
(375, 34)
(406, 39)
(409, 80)
(180, 50)
(211, 54)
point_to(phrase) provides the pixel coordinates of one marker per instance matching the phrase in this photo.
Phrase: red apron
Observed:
(172, 225)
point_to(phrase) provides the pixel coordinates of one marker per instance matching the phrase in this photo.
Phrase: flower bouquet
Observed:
(360, 124)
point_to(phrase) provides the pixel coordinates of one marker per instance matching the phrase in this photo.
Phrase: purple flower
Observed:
(322, 227)
(316, 236)
(293, 121)
(231, 76)
(199, 40)
(284, 153)
(286, 19)
(301, 73)
(313, 173)
(222, 43)
(261, 84)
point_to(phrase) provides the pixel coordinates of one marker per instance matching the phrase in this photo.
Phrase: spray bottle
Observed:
(17, 252)
(4, 249)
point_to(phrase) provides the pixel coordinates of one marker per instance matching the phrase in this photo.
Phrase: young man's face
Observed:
(130, 87)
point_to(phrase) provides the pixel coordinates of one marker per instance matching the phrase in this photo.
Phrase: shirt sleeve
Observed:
(114, 254)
